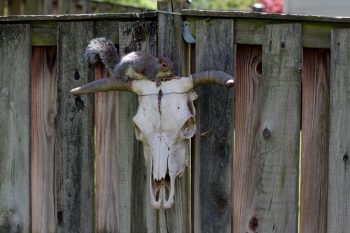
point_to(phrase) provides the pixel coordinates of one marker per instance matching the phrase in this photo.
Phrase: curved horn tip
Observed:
(230, 83)
(75, 91)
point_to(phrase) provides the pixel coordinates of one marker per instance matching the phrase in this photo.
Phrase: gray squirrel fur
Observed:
(135, 65)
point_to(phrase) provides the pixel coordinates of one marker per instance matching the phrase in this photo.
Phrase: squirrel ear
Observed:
(160, 59)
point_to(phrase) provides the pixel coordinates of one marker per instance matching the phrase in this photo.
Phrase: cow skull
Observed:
(164, 122)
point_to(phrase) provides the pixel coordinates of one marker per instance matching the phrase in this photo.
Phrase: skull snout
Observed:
(162, 179)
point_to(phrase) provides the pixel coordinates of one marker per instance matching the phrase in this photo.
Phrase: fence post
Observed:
(171, 44)
(15, 50)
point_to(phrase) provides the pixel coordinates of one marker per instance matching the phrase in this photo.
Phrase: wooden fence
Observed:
(279, 140)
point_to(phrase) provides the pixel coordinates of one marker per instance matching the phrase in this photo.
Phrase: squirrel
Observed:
(134, 65)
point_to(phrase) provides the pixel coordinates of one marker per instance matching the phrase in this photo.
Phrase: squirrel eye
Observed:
(164, 65)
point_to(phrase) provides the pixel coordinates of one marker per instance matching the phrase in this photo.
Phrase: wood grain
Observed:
(339, 143)
(131, 16)
(214, 137)
(43, 138)
(74, 154)
(15, 52)
(134, 36)
(171, 44)
(120, 168)
(247, 121)
(279, 130)
(107, 125)
(250, 31)
(315, 139)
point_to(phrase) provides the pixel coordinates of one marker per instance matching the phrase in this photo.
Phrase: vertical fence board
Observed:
(247, 121)
(142, 36)
(214, 139)
(119, 157)
(74, 158)
(15, 53)
(43, 137)
(107, 124)
(339, 149)
(132, 37)
(315, 131)
(279, 129)
(107, 192)
(171, 44)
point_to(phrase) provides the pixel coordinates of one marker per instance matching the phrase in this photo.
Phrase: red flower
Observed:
(275, 6)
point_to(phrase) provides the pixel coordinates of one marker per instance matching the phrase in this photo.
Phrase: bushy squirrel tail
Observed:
(101, 49)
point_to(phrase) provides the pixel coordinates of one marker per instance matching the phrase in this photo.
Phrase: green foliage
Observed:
(221, 4)
(149, 4)
(196, 4)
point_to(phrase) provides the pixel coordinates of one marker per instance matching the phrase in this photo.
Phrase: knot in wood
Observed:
(253, 224)
(266, 133)
(76, 75)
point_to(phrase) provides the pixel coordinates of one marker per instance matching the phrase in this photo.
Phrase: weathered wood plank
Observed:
(279, 130)
(132, 182)
(132, 16)
(107, 125)
(214, 139)
(43, 137)
(339, 144)
(315, 35)
(314, 146)
(134, 36)
(44, 34)
(107, 179)
(15, 53)
(171, 44)
(121, 206)
(247, 120)
(142, 213)
(170, 34)
(74, 158)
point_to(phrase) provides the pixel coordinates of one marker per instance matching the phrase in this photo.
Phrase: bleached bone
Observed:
(164, 122)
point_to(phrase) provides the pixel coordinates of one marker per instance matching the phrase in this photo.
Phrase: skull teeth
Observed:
(162, 193)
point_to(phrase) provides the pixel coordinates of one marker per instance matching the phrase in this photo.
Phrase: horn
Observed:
(212, 77)
(103, 85)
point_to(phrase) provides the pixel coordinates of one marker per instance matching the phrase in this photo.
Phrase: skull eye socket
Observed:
(189, 128)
